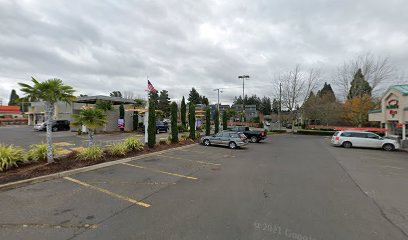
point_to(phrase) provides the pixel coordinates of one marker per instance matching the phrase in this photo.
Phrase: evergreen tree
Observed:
(13, 98)
(224, 120)
(265, 106)
(275, 106)
(327, 92)
(103, 105)
(164, 102)
(194, 97)
(359, 86)
(183, 112)
(121, 111)
(154, 96)
(207, 122)
(151, 131)
(191, 111)
(174, 128)
(205, 101)
(135, 120)
(217, 121)
(116, 94)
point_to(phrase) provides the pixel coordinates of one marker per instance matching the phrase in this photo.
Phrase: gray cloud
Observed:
(101, 46)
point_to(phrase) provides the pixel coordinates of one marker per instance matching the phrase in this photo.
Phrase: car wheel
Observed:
(388, 147)
(254, 139)
(54, 129)
(207, 142)
(232, 145)
(347, 144)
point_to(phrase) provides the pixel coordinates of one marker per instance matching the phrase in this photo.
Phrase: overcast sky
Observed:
(101, 46)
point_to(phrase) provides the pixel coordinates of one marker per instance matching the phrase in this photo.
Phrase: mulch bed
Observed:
(68, 162)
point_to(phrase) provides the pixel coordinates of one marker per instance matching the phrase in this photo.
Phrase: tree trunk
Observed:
(90, 133)
(49, 112)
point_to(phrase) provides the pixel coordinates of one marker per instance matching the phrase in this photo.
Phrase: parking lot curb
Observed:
(44, 178)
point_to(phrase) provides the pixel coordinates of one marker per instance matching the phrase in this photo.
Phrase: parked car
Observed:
(254, 136)
(267, 123)
(162, 127)
(350, 139)
(226, 138)
(57, 125)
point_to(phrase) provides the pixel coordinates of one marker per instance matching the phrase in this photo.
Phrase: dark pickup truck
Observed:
(254, 136)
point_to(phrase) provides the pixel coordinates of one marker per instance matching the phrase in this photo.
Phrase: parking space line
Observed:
(185, 159)
(108, 192)
(160, 171)
(224, 155)
(42, 225)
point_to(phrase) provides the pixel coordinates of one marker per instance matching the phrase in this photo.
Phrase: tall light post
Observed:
(243, 91)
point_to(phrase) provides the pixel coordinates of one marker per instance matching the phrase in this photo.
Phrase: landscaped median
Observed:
(17, 164)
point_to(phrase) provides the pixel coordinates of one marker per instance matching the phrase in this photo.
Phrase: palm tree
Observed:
(92, 118)
(50, 92)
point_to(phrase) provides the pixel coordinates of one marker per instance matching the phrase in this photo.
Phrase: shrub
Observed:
(260, 125)
(315, 132)
(38, 152)
(192, 118)
(184, 137)
(181, 128)
(278, 131)
(91, 153)
(174, 128)
(10, 156)
(119, 149)
(163, 142)
(216, 121)
(133, 144)
(198, 135)
(207, 122)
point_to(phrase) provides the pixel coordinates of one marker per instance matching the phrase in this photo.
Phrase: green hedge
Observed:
(277, 131)
(315, 132)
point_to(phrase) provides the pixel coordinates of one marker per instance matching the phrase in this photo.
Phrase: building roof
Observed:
(10, 109)
(114, 100)
(401, 88)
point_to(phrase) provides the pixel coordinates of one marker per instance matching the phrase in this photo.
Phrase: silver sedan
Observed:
(226, 138)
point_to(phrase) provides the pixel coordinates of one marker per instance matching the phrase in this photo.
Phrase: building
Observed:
(10, 112)
(393, 114)
(64, 111)
(250, 111)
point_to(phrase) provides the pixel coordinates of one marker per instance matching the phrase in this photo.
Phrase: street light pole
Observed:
(243, 91)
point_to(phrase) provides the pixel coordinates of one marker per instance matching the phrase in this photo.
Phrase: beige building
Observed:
(393, 114)
(64, 111)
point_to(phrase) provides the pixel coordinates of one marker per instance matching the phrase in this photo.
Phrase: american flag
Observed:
(150, 86)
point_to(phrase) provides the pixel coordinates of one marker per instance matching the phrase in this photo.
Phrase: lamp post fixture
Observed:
(243, 91)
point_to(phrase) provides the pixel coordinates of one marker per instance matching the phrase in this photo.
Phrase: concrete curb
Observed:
(44, 178)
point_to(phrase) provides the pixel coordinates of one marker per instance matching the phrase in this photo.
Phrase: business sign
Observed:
(121, 123)
(392, 105)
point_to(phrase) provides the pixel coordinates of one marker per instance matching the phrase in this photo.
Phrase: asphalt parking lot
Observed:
(288, 187)
(24, 136)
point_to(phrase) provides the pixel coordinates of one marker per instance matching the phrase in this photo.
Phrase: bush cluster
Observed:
(10, 156)
(91, 154)
(119, 149)
(315, 132)
(38, 152)
(134, 144)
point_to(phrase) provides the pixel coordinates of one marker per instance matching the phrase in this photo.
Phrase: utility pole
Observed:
(280, 106)
(243, 91)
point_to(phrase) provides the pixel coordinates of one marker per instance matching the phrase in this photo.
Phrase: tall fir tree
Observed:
(359, 86)
(183, 112)
(151, 131)
(194, 97)
(13, 101)
(174, 128)
(192, 122)
(164, 102)
(135, 120)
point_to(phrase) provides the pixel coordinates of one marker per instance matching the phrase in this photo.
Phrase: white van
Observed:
(350, 139)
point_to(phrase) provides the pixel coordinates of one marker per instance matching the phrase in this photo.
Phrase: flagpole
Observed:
(146, 118)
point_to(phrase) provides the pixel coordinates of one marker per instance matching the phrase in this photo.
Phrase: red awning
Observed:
(362, 129)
